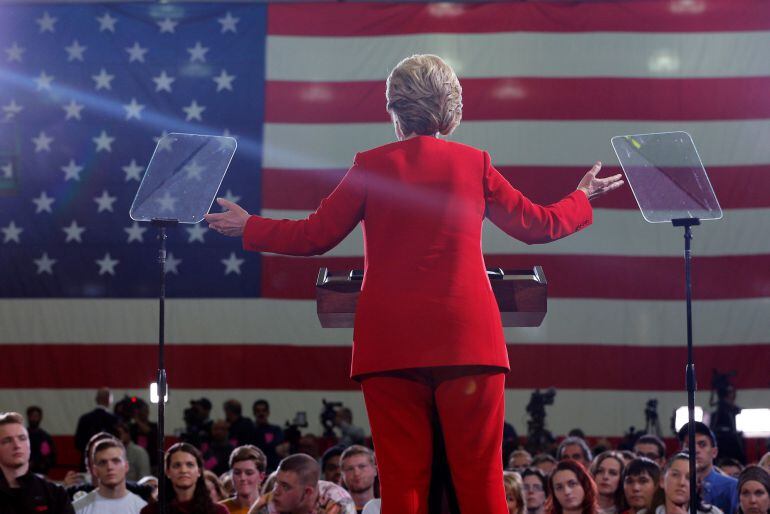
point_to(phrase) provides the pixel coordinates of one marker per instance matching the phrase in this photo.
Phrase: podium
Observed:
(522, 296)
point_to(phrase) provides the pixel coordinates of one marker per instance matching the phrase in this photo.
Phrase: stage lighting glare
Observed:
(680, 417)
(753, 422)
(154, 393)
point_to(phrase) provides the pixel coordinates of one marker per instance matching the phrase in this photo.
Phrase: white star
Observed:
(42, 142)
(14, 52)
(7, 170)
(163, 142)
(194, 111)
(194, 170)
(167, 25)
(103, 142)
(224, 81)
(135, 232)
(103, 80)
(166, 202)
(12, 109)
(231, 197)
(44, 264)
(46, 23)
(43, 202)
(133, 171)
(163, 82)
(74, 232)
(11, 232)
(136, 52)
(198, 52)
(196, 233)
(172, 263)
(43, 81)
(106, 22)
(107, 264)
(232, 264)
(72, 171)
(105, 201)
(133, 110)
(228, 23)
(75, 51)
(72, 110)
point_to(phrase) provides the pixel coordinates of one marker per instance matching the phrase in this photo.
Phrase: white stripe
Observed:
(609, 235)
(537, 143)
(295, 322)
(525, 54)
(597, 412)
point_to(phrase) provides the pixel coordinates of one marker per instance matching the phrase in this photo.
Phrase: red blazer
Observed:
(425, 299)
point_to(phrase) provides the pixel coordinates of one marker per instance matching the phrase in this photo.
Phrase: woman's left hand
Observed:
(594, 187)
(230, 222)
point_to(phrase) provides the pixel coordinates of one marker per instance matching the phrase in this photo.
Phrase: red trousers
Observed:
(470, 406)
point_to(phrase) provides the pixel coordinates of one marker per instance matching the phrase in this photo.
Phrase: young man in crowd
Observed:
(575, 448)
(247, 468)
(730, 467)
(544, 462)
(43, 456)
(715, 488)
(21, 491)
(359, 470)
(298, 490)
(535, 490)
(268, 436)
(519, 459)
(109, 465)
(330, 464)
(242, 429)
(652, 447)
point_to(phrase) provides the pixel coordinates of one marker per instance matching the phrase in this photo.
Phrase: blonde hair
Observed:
(424, 95)
(513, 486)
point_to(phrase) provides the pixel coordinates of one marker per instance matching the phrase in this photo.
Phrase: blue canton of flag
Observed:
(87, 91)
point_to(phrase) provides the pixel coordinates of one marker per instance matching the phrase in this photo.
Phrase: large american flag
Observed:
(85, 89)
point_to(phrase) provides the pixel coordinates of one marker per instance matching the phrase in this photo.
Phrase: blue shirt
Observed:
(721, 491)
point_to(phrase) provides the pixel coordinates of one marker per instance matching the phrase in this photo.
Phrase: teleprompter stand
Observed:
(669, 183)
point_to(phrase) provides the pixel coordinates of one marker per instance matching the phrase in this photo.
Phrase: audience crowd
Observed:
(250, 466)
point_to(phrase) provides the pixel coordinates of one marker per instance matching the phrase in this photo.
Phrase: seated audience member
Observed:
(197, 422)
(715, 488)
(575, 448)
(145, 433)
(186, 491)
(544, 462)
(43, 456)
(764, 462)
(676, 489)
(299, 490)
(571, 490)
(269, 483)
(519, 460)
(730, 467)
(652, 447)
(214, 486)
(21, 491)
(641, 485)
(628, 456)
(149, 483)
(226, 479)
(98, 420)
(534, 486)
(110, 466)
(349, 433)
(138, 459)
(607, 470)
(330, 464)
(216, 452)
(242, 429)
(754, 491)
(359, 472)
(247, 467)
(513, 489)
(268, 436)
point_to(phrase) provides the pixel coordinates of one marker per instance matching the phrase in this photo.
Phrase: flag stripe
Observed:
(736, 187)
(388, 19)
(569, 276)
(534, 98)
(232, 366)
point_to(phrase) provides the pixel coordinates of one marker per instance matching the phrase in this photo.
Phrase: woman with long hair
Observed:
(186, 491)
(676, 488)
(216, 491)
(513, 492)
(754, 491)
(571, 490)
(607, 470)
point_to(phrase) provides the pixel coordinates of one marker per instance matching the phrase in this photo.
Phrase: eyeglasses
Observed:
(533, 488)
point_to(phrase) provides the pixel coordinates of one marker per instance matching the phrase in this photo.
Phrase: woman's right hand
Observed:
(595, 187)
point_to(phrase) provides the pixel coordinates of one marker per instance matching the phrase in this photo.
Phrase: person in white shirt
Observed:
(110, 466)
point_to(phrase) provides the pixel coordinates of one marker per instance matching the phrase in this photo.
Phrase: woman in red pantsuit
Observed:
(428, 338)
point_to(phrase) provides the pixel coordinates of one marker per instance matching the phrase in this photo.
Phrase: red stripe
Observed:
(534, 99)
(569, 276)
(218, 366)
(737, 187)
(364, 19)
